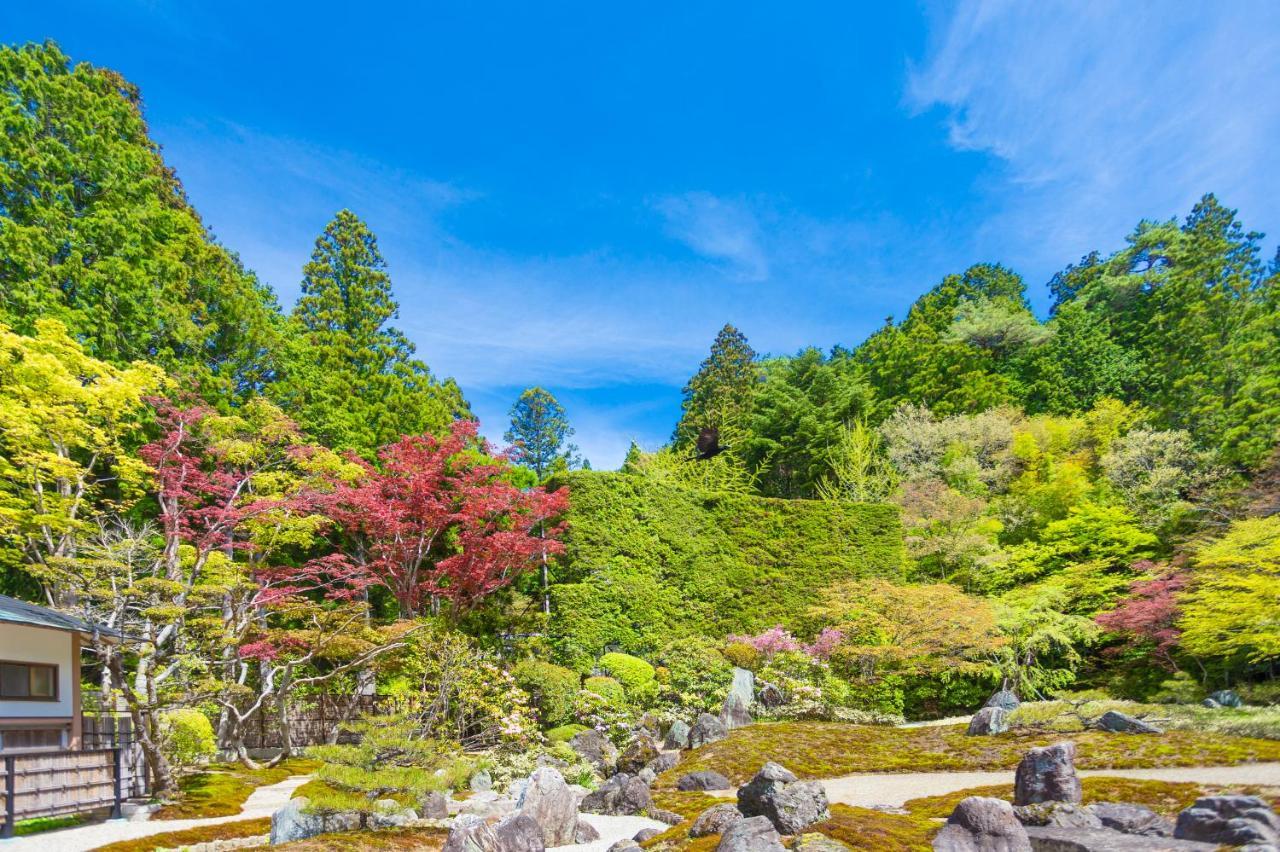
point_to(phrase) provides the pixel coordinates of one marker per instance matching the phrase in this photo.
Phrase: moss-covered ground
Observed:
(832, 749)
(190, 836)
(221, 789)
(368, 841)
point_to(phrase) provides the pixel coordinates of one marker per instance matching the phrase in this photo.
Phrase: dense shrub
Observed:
(692, 673)
(608, 689)
(647, 560)
(741, 655)
(635, 675)
(551, 690)
(187, 737)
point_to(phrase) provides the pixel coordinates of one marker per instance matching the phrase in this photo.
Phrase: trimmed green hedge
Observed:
(645, 561)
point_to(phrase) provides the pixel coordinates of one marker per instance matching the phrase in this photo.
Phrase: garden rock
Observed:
(703, 780)
(1131, 819)
(548, 800)
(669, 817)
(516, 833)
(1211, 704)
(988, 721)
(771, 696)
(645, 834)
(1231, 820)
(1123, 723)
(715, 820)
(648, 776)
(626, 844)
(1227, 698)
(593, 747)
(433, 806)
(585, 832)
(756, 834)
(292, 822)
(982, 824)
(649, 724)
(1057, 839)
(817, 843)
(388, 813)
(642, 750)
(790, 804)
(487, 805)
(735, 714)
(677, 736)
(663, 762)
(1006, 699)
(481, 782)
(1058, 815)
(621, 795)
(706, 729)
(1047, 774)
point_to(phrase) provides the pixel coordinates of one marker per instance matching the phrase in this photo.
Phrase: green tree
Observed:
(540, 432)
(96, 232)
(720, 394)
(859, 469)
(351, 379)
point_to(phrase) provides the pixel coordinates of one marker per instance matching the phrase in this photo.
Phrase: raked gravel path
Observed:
(893, 789)
(262, 802)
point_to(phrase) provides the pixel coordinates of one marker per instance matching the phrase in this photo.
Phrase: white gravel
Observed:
(892, 789)
(612, 829)
(262, 802)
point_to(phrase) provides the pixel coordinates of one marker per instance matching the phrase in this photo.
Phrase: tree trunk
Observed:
(165, 783)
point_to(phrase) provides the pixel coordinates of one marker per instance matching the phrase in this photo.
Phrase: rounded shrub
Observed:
(564, 733)
(551, 690)
(696, 675)
(637, 677)
(187, 737)
(741, 655)
(608, 689)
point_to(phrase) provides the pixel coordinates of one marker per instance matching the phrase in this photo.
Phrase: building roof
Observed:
(14, 611)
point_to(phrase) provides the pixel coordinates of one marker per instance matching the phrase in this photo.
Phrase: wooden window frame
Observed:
(30, 665)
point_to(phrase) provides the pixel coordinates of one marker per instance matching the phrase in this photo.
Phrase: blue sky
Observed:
(579, 195)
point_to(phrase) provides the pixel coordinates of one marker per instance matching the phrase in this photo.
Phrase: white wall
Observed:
(22, 644)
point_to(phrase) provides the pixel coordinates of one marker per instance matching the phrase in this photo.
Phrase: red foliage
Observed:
(437, 519)
(1150, 613)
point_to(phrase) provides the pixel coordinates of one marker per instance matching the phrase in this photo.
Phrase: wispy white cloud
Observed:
(1107, 112)
(719, 229)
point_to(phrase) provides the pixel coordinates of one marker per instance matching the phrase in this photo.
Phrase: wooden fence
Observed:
(314, 720)
(108, 731)
(44, 784)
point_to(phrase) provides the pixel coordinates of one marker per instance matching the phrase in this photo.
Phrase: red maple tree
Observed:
(438, 519)
(1150, 613)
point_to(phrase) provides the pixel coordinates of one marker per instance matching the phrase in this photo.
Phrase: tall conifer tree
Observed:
(720, 394)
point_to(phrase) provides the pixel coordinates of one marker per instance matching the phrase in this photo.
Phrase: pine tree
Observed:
(539, 433)
(720, 394)
(351, 379)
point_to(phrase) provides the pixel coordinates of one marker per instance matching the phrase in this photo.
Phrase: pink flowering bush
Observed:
(828, 640)
(778, 640)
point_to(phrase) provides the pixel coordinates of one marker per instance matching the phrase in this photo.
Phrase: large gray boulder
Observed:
(481, 782)
(1006, 699)
(585, 832)
(790, 804)
(515, 833)
(641, 750)
(703, 780)
(1227, 698)
(626, 844)
(293, 822)
(1058, 839)
(771, 696)
(715, 820)
(1057, 814)
(988, 721)
(1047, 774)
(1229, 820)
(706, 729)
(663, 762)
(433, 806)
(981, 824)
(736, 712)
(677, 736)
(388, 813)
(488, 805)
(1131, 819)
(1123, 723)
(548, 800)
(756, 834)
(595, 748)
(621, 795)
(646, 834)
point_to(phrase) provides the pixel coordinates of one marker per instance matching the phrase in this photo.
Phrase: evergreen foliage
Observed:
(539, 433)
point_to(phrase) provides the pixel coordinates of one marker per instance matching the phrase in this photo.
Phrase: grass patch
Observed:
(874, 831)
(832, 749)
(26, 827)
(1163, 797)
(191, 836)
(1260, 722)
(221, 789)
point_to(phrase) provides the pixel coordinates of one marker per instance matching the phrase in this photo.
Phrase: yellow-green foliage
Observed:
(635, 675)
(645, 560)
(1229, 612)
(1262, 722)
(187, 737)
(551, 689)
(222, 789)
(831, 749)
(192, 836)
(607, 688)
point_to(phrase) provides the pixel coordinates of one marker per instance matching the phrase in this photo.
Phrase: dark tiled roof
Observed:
(15, 611)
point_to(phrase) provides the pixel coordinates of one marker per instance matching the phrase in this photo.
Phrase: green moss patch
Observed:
(832, 749)
(369, 841)
(222, 789)
(874, 831)
(191, 836)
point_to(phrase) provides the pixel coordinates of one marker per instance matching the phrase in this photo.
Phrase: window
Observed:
(29, 681)
(16, 739)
